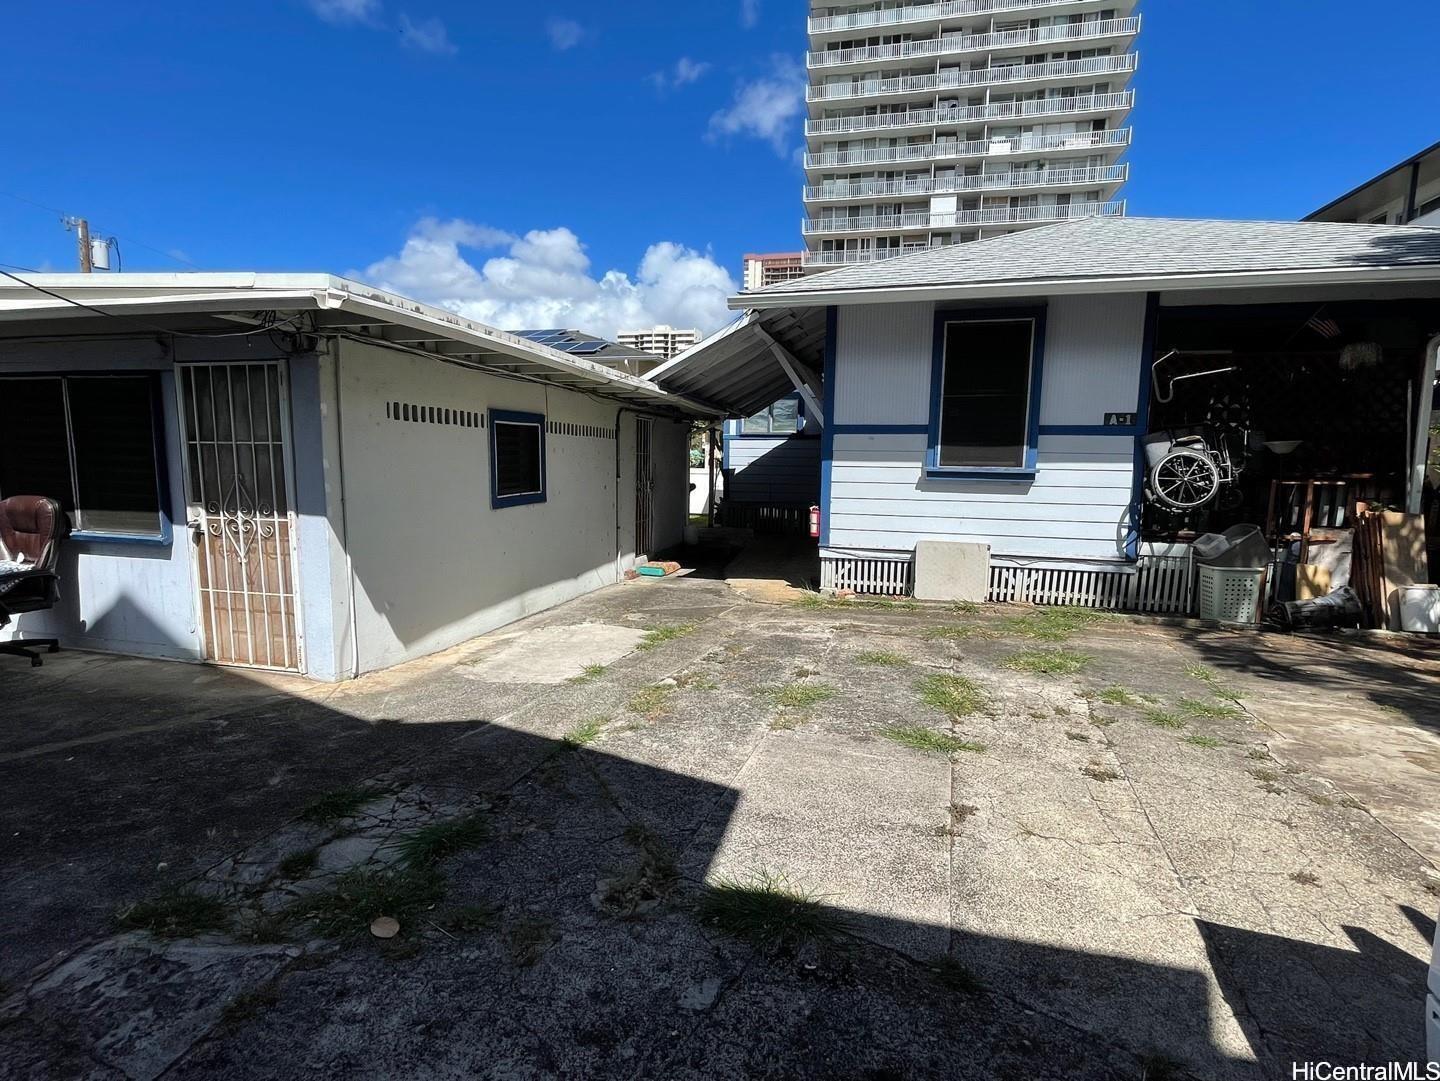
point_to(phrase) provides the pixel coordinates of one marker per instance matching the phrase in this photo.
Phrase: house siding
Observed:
(773, 470)
(1077, 506)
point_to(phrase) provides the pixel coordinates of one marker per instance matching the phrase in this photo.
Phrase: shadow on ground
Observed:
(564, 939)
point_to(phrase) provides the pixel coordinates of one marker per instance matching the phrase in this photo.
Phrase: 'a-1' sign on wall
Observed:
(1121, 420)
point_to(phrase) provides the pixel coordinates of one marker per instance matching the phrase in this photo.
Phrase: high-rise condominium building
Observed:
(663, 341)
(763, 271)
(938, 123)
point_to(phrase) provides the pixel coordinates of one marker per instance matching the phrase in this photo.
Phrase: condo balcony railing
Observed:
(968, 148)
(1121, 63)
(911, 13)
(948, 44)
(1010, 181)
(957, 219)
(867, 255)
(956, 113)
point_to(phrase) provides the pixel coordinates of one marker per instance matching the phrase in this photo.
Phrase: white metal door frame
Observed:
(253, 519)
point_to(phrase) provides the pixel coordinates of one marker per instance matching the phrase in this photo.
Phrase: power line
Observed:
(272, 324)
(129, 239)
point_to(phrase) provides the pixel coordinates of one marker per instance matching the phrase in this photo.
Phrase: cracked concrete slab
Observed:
(1172, 875)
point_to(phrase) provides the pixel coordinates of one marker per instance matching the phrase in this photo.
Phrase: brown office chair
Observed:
(31, 526)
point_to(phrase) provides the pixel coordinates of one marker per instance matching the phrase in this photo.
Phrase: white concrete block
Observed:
(951, 571)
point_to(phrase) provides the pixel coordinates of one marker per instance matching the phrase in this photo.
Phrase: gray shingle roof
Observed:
(1099, 248)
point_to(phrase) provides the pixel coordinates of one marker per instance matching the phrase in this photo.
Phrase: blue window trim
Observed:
(827, 433)
(1142, 417)
(933, 469)
(506, 416)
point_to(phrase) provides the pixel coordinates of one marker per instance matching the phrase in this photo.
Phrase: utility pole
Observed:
(82, 243)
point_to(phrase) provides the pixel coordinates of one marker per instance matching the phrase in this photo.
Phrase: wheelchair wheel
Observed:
(1185, 479)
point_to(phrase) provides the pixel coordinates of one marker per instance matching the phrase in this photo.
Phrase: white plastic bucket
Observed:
(1420, 609)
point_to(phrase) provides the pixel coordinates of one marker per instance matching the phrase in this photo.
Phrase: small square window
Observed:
(517, 458)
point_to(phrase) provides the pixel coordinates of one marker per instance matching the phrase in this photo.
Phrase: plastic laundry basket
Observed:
(1230, 594)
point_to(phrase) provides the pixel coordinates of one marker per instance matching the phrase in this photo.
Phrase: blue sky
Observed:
(553, 162)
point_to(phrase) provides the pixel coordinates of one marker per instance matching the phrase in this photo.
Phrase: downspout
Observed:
(345, 518)
(1421, 447)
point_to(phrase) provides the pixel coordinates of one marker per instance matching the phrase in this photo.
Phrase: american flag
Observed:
(1323, 325)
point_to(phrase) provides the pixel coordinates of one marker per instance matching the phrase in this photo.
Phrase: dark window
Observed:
(88, 442)
(518, 445)
(985, 394)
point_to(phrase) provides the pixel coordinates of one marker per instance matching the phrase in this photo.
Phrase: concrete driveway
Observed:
(669, 831)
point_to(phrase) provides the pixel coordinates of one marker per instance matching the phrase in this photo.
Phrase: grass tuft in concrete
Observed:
(766, 908)
(430, 844)
(1305, 878)
(359, 897)
(182, 914)
(785, 722)
(959, 812)
(924, 739)
(1161, 718)
(1211, 678)
(298, 865)
(1048, 662)
(339, 803)
(957, 632)
(1195, 707)
(584, 734)
(802, 695)
(1054, 624)
(649, 700)
(965, 608)
(1195, 739)
(955, 696)
(590, 674)
(954, 975)
(1265, 776)
(667, 632)
(882, 658)
(1078, 737)
(1117, 696)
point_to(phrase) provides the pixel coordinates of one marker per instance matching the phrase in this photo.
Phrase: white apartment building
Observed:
(938, 123)
(664, 341)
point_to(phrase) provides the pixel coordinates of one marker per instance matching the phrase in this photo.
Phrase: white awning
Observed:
(738, 371)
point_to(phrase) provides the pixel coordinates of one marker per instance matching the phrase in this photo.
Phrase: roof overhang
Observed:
(798, 299)
(1393, 183)
(737, 370)
(172, 303)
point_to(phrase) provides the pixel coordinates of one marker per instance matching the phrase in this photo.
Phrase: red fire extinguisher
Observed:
(815, 522)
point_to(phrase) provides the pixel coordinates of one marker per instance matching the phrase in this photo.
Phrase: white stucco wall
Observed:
(433, 563)
(1077, 505)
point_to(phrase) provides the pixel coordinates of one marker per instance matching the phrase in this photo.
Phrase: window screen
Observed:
(518, 459)
(88, 442)
(985, 396)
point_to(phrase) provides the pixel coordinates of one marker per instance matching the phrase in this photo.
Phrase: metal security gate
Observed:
(237, 478)
(644, 489)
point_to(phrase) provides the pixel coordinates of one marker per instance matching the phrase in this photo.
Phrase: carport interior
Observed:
(1291, 393)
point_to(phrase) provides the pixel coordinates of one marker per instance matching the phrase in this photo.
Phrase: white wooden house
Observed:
(1000, 392)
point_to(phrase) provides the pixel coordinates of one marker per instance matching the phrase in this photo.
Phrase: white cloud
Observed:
(749, 13)
(346, 11)
(426, 36)
(544, 279)
(684, 72)
(564, 33)
(766, 108)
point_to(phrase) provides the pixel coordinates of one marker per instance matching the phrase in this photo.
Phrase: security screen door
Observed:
(240, 512)
(644, 489)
